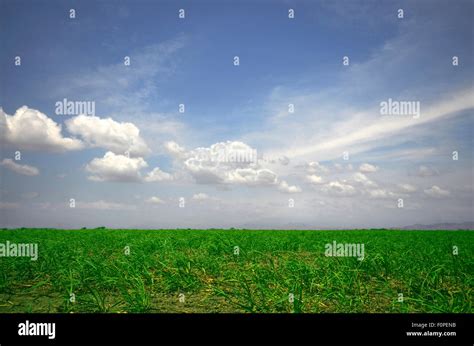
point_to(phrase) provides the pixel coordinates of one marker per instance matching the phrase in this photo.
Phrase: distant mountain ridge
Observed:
(301, 226)
(447, 225)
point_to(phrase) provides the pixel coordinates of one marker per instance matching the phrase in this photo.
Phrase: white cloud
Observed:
(251, 176)
(407, 188)
(437, 192)
(157, 175)
(30, 129)
(284, 160)
(415, 154)
(363, 180)
(121, 168)
(155, 200)
(230, 162)
(365, 131)
(200, 196)
(104, 205)
(284, 187)
(424, 171)
(314, 179)
(114, 167)
(316, 167)
(381, 194)
(175, 149)
(121, 88)
(339, 189)
(119, 137)
(20, 169)
(368, 168)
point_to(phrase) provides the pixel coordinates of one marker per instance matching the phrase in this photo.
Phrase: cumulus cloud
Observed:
(316, 167)
(175, 149)
(104, 205)
(436, 192)
(157, 175)
(339, 189)
(363, 180)
(407, 188)
(200, 196)
(118, 137)
(20, 169)
(424, 171)
(368, 168)
(284, 187)
(230, 162)
(314, 179)
(121, 168)
(113, 167)
(30, 129)
(381, 194)
(251, 176)
(155, 200)
(284, 160)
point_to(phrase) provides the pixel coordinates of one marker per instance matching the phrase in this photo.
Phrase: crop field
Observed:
(243, 271)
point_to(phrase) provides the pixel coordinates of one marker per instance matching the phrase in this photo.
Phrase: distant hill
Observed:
(301, 226)
(448, 225)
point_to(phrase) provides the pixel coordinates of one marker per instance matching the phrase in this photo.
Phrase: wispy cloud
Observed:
(20, 169)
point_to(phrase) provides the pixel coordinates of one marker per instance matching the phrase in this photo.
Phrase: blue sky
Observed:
(190, 61)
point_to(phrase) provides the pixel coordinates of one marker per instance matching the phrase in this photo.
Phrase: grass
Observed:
(92, 267)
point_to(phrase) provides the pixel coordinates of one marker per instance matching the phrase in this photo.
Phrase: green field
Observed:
(206, 268)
